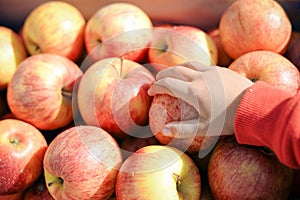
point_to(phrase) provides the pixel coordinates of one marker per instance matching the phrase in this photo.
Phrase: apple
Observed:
(223, 59)
(112, 94)
(238, 171)
(118, 29)
(251, 25)
(40, 92)
(13, 52)
(293, 51)
(54, 27)
(38, 191)
(175, 44)
(270, 67)
(22, 149)
(165, 108)
(14, 196)
(82, 162)
(158, 172)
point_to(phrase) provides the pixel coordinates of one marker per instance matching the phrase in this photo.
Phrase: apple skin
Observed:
(293, 51)
(54, 27)
(251, 25)
(118, 29)
(22, 150)
(112, 94)
(175, 44)
(82, 162)
(164, 109)
(40, 91)
(223, 59)
(270, 67)
(13, 52)
(158, 172)
(246, 172)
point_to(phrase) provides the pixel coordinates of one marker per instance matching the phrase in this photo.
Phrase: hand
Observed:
(215, 92)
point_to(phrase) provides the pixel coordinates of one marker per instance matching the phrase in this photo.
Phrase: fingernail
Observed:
(166, 132)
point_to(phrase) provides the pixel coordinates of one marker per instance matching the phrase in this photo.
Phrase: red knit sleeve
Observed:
(270, 117)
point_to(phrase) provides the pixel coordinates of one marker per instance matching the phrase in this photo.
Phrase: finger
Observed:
(177, 72)
(184, 129)
(170, 86)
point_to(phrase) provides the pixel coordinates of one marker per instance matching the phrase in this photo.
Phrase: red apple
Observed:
(223, 59)
(246, 172)
(164, 109)
(175, 44)
(38, 191)
(158, 172)
(13, 52)
(293, 51)
(250, 25)
(270, 67)
(22, 150)
(118, 29)
(54, 27)
(40, 92)
(112, 94)
(82, 163)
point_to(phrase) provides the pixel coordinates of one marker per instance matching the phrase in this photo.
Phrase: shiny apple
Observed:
(40, 92)
(54, 27)
(22, 149)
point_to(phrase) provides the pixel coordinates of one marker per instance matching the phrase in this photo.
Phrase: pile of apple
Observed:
(77, 121)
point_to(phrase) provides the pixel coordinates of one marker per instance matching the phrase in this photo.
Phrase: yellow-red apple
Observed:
(54, 27)
(176, 44)
(250, 25)
(40, 92)
(270, 67)
(112, 94)
(118, 29)
(12, 51)
(22, 149)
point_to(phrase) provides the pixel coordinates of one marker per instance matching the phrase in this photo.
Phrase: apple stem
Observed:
(177, 179)
(58, 180)
(14, 140)
(66, 93)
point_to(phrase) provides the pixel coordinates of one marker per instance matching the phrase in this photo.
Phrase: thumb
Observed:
(182, 129)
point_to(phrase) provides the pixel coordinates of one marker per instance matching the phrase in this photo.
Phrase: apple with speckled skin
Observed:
(164, 109)
(176, 44)
(251, 25)
(158, 172)
(13, 52)
(238, 171)
(22, 149)
(270, 67)
(82, 162)
(40, 91)
(118, 29)
(54, 27)
(112, 94)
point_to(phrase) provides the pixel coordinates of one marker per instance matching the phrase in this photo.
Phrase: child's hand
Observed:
(215, 92)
